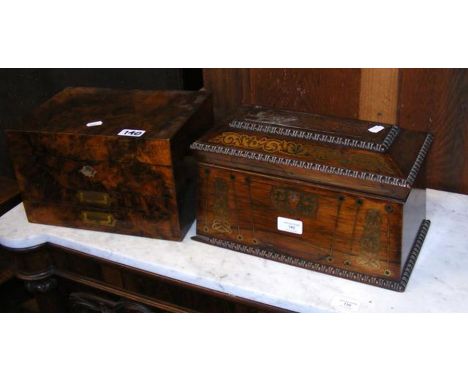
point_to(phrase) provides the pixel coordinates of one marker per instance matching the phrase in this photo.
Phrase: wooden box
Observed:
(338, 196)
(111, 160)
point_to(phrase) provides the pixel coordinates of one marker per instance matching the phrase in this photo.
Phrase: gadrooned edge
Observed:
(397, 286)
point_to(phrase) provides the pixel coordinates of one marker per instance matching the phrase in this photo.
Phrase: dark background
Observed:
(431, 100)
(422, 99)
(21, 90)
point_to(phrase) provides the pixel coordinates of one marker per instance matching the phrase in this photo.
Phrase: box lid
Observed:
(107, 124)
(366, 156)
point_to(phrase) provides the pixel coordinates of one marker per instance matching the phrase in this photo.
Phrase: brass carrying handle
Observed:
(101, 199)
(99, 218)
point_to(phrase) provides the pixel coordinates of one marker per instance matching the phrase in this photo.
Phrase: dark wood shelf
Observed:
(9, 194)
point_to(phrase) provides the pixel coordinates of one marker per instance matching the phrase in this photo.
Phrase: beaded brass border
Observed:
(319, 137)
(397, 286)
(385, 179)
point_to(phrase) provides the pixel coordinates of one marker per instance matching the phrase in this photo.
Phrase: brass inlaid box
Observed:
(339, 196)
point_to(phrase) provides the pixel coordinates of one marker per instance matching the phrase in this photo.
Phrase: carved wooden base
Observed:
(41, 286)
(89, 303)
(398, 286)
(63, 280)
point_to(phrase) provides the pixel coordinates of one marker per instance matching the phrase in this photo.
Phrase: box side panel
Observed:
(184, 164)
(329, 227)
(413, 214)
(198, 124)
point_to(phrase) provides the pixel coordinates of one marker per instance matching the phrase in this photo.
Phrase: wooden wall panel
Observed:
(325, 91)
(227, 86)
(432, 100)
(436, 100)
(379, 95)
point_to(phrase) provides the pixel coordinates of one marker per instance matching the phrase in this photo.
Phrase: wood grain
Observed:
(436, 100)
(342, 230)
(227, 86)
(321, 91)
(254, 173)
(432, 100)
(86, 177)
(379, 95)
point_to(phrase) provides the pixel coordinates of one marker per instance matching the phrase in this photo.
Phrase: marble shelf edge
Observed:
(41, 239)
(438, 282)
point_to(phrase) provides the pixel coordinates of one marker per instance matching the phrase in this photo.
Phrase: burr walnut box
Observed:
(338, 196)
(111, 160)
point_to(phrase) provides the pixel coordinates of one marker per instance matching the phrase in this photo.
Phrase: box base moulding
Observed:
(398, 286)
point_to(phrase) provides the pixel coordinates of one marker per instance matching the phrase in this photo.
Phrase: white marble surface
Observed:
(439, 282)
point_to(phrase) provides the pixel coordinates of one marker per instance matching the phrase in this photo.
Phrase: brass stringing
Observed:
(220, 207)
(370, 240)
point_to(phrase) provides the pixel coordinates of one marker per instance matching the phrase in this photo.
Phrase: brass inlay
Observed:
(101, 199)
(269, 145)
(294, 202)
(370, 240)
(359, 203)
(220, 207)
(318, 154)
(236, 207)
(341, 199)
(99, 218)
(248, 181)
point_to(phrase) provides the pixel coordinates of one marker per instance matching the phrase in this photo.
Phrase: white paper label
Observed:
(289, 225)
(132, 133)
(95, 123)
(345, 304)
(376, 128)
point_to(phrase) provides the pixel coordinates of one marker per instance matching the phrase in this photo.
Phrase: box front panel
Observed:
(69, 185)
(340, 229)
(125, 222)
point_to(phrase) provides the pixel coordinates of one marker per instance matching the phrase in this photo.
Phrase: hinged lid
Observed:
(107, 124)
(366, 156)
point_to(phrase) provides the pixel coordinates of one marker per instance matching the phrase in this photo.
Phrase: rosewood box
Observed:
(111, 160)
(338, 196)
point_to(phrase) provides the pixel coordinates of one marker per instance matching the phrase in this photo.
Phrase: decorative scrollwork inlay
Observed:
(220, 207)
(252, 155)
(319, 137)
(370, 240)
(294, 202)
(219, 148)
